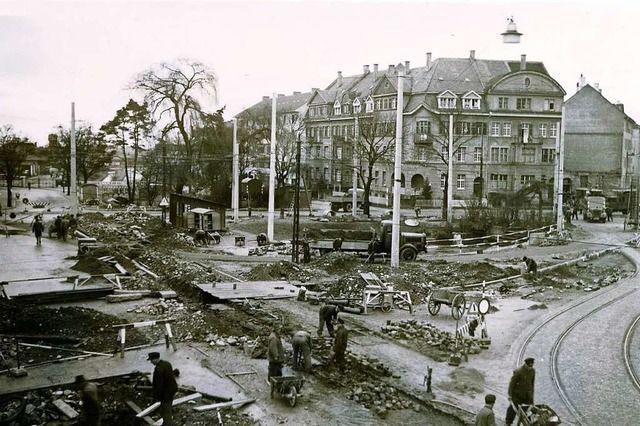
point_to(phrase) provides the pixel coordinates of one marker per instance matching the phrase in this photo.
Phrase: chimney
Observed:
(620, 106)
(407, 67)
(472, 54)
(392, 68)
(428, 60)
(339, 78)
(597, 87)
(314, 89)
(375, 68)
(296, 93)
(523, 62)
(280, 95)
(365, 69)
(266, 98)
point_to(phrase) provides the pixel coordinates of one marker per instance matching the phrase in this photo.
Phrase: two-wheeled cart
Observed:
(536, 415)
(457, 300)
(287, 387)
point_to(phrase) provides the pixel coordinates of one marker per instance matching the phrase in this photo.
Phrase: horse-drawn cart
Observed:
(286, 386)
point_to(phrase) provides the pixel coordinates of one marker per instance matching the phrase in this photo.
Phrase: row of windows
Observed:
(525, 130)
(496, 181)
(496, 155)
(370, 105)
(524, 104)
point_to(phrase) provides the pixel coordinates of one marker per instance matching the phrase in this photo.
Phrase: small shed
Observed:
(201, 218)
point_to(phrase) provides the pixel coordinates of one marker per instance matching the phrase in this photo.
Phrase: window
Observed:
(443, 180)
(553, 130)
(312, 112)
(495, 129)
(336, 108)
(499, 155)
(423, 127)
(385, 103)
(528, 155)
(549, 104)
(525, 180)
(525, 134)
(506, 129)
(477, 154)
(325, 175)
(394, 103)
(378, 105)
(317, 152)
(497, 181)
(461, 180)
(462, 128)
(503, 103)
(339, 153)
(325, 110)
(357, 108)
(326, 152)
(527, 82)
(471, 103)
(548, 155)
(584, 181)
(368, 106)
(447, 101)
(461, 154)
(335, 130)
(479, 128)
(338, 175)
(523, 103)
(542, 130)
(376, 178)
(384, 178)
(420, 154)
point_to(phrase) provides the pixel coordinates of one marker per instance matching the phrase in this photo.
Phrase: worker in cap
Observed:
(90, 415)
(164, 387)
(521, 388)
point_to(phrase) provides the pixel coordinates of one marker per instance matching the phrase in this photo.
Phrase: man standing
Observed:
(301, 343)
(90, 405)
(164, 387)
(73, 225)
(521, 388)
(275, 354)
(328, 313)
(485, 416)
(38, 228)
(340, 344)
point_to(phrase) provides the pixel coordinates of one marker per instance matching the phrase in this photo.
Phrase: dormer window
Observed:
(336, 108)
(356, 106)
(447, 100)
(369, 105)
(471, 100)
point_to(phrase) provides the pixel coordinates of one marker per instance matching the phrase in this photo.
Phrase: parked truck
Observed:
(345, 202)
(411, 243)
(596, 209)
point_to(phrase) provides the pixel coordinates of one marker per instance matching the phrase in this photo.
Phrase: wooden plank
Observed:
(248, 290)
(223, 405)
(65, 408)
(148, 420)
(150, 409)
(153, 407)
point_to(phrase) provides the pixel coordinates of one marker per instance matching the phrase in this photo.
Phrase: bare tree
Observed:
(13, 152)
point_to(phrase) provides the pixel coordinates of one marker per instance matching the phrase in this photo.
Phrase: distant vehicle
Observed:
(620, 201)
(122, 201)
(595, 211)
(345, 202)
(411, 243)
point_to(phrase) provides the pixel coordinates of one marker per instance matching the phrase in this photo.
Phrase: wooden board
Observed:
(250, 290)
(148, 420)
(65, 408)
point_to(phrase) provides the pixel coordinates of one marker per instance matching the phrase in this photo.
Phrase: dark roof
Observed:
(288, 103)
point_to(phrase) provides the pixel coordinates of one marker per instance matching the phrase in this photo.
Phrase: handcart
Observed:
(286, 386)
(536, 415)
(458, 301)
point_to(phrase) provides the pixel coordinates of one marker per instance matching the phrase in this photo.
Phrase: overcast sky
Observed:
(56, 52)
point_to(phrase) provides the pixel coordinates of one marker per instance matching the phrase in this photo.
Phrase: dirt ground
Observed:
(388, 355)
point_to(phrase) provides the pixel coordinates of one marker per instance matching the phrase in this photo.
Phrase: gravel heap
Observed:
(380, 397)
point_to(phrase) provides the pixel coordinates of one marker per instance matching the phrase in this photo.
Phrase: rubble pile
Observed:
(379, 397)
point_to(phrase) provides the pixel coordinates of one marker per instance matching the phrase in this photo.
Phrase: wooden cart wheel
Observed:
(292, 395)
(433, 306)
(458, 305)
(386, 307)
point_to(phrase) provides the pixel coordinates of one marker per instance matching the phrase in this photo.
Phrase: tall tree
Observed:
(152, 174)
(128, 129)
(175, 93)
(13, 152)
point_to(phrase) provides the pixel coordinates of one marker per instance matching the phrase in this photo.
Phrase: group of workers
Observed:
(302, 343)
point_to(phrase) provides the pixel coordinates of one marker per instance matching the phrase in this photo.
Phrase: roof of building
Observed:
(288, 103)
(573, 98)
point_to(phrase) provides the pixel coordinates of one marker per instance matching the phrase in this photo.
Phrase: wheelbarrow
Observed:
(536, 415)
(287, 387)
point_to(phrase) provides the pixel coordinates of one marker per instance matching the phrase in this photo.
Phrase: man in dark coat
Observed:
(90, 415)
(532, 266)
(521, 388)
(328, 313)
(275, 353)
(301, 344)
(164, 387)
(73, 226)
(340, 343)
(38, 228)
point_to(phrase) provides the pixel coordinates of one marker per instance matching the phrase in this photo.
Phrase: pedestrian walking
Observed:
(56, 227)
(37, 228)
(301, 344)
(73, 226)
(90, 415)
(609, 213)
(306, 251)
(531, 265)
(164, 387)
(340, 344)
(485, 416)
(64, 228)
(521, 388)
(326, 316)
(275, 354)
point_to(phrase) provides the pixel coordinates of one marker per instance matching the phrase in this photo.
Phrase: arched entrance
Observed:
(478, 187)
(417, 184)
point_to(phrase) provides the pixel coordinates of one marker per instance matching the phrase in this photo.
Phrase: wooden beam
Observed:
(65, 408)
(148, 420)
(223, 405)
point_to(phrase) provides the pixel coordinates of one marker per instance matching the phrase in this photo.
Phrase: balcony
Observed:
(423, 139)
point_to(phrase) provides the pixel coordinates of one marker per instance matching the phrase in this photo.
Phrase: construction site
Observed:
(427, 340)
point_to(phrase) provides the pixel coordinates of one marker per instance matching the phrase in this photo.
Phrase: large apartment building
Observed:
(504, 118)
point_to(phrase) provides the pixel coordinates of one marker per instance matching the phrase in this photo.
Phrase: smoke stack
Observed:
(620, 106)
(523, 62)
(266, 98)
(597, 87)
(392, 68)
(472, 54)
(281, 95)
(339, 78)
(296, 93)
(407, 67)
(365, 69)
(428, 60)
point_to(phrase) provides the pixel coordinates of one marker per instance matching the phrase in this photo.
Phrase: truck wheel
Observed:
(348, 207)
(408, 254)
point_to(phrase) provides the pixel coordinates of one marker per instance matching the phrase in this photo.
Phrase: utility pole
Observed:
(450, 173)
(354, 199)
(560, 182)
(295, 256)
(397, 177)
(74, 184)
(235, 189)
(272, 172)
